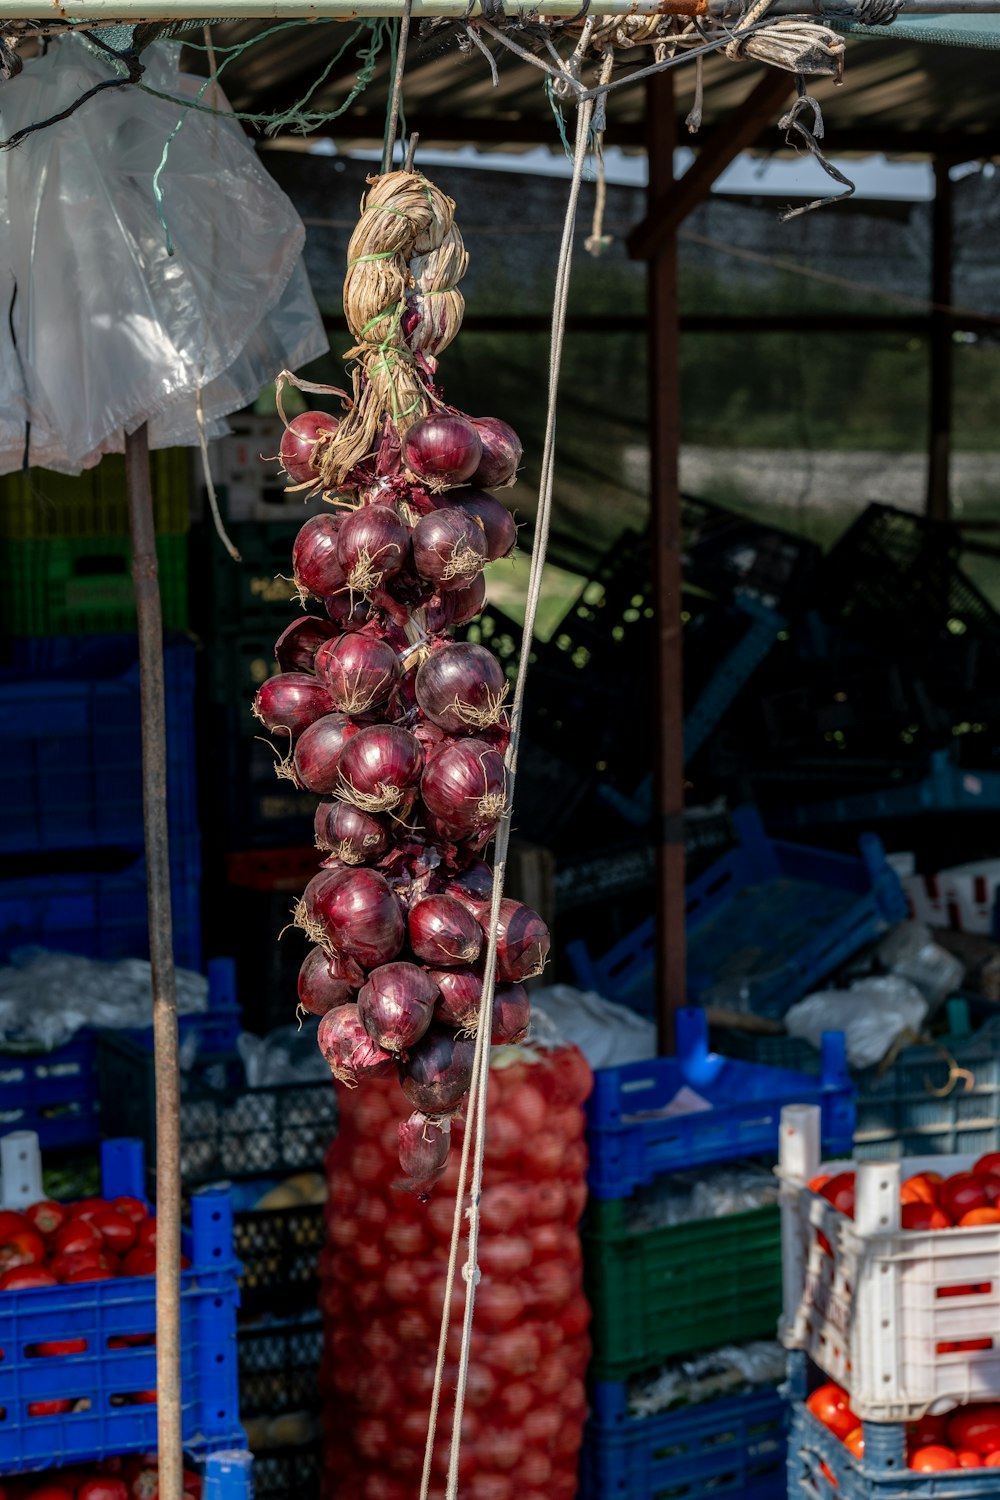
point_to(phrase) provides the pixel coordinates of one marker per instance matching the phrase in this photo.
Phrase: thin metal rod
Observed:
(665, 531)
(161, 955)
(107, 12)
(941, 349)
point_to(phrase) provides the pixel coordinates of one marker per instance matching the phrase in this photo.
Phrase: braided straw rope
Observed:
(401, 299)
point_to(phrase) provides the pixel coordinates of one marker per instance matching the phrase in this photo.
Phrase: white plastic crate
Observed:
(908, 1321)
(962, 898)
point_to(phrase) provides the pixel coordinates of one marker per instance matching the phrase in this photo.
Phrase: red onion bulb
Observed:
(355, 837)
(461, 687)
(511, 1014)
(501, 453)
(522, 941)
(347, 611)
(496, 520)
(383, 766)
(449, 548)
(473, 887)
(325, 981)
(456, 606)
(318, 752)
(295, 649)
(291, 701)
(424, 1144)
(437, 1074)
(397, 1004)
(460, 997)
(443, 932)
(442, 449)
(465, 786)
(372, 545)
(359, 671)
(300, 444)
(314, 557)
(348, 1048)
(360, 917)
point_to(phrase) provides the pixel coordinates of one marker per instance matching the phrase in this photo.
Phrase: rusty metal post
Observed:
(161, 954)
(941, 349)
(665, 532)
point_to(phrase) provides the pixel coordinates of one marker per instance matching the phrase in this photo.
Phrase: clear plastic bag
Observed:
(730, 1371)
(286, 1055)
(684, 1197)
(911, 952)
(872, 1014)
(110, 329)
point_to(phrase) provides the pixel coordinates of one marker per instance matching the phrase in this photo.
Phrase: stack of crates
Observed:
(72, 868)
(904, 1320)
(661, 1293)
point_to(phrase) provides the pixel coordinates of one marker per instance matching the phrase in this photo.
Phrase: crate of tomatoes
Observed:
(135, 1476)
(890, 1273)
(78, 1317)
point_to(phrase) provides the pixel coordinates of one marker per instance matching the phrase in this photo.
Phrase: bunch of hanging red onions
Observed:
(402, 731)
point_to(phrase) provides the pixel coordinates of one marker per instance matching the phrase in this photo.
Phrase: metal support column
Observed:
(941, 347)
(161, 955)
(665, 531)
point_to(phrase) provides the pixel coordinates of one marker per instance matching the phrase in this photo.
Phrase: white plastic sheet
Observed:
(110, 329)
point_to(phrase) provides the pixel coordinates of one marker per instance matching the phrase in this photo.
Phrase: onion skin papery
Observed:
(296, 647)
(348, 1048)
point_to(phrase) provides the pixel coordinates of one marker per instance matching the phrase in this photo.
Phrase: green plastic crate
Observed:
(94, 504)
(662, 1292)
(255, 592)
(83, 585)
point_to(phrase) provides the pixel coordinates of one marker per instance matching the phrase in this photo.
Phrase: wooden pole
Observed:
(665, 534)
(161, 955)
(940, 422)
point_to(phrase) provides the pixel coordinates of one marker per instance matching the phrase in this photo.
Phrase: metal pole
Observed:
(161, 955)
(665, 534)
(941, 349)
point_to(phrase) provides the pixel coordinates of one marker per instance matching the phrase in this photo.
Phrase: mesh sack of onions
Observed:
(376, 709)
(382, 1288)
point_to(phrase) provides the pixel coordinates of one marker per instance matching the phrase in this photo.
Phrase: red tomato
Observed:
(145, 1234)
(919, 1215)
(132, 1208)
(854, 1442)
(830, 1404)
(11, 1223)
(918, 1189)
(961, 1193)
(979, 1216)
(840, 1192)
(929, 1460)
(49, 1409)
(829, 1475)
(966, 1459)
(992, 1460)
(929, 1430)
(117, 1231)
(63, 1266)
(988, 1163)
(45, 1217)
(49, 1492)
(86, 1208)
(976, 1427)
(87, 1273)
(106, 1488)
(139, 1262)
(21, 1278)
(52, 1347)
(817, 1183)
(21, 1247)
(76, 1235)
(142, 1398)
(991, 1187)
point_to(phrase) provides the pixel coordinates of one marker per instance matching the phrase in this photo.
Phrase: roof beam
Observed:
(750, 323)
(720, 149)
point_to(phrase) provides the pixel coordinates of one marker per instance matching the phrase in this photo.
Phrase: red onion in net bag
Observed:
(291, 701)
(299, 444)
(358, 670)
(355, 837)
(449, 548)
(360, 917)
(511, 1014)
(443, 932)
(347, 1047)
(465, 786)
(461, 991)
(396, 1005)
(372, 545)
(501, 453)
(443, 449)
(314, 557)
(317, 754)
(462, 687)
(326, 981)
(384, 765)
(295, 649)
(495, 519)
(437, 1074)
(424, 1144)
(522, 941)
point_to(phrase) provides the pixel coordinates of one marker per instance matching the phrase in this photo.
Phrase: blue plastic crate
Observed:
(228, 1475)
(765, 923)
(632, 1139)
(97, 1378)
(73, 761)
(735, 1446)
(946, 788)
(882, 1473)
(101, 913)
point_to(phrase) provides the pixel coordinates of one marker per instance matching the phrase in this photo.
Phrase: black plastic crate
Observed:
(728, 553)
(288, 1473)
(278, 1249)
(255, 591)
(279, 1367)
(228, 1132)
(263, 810)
